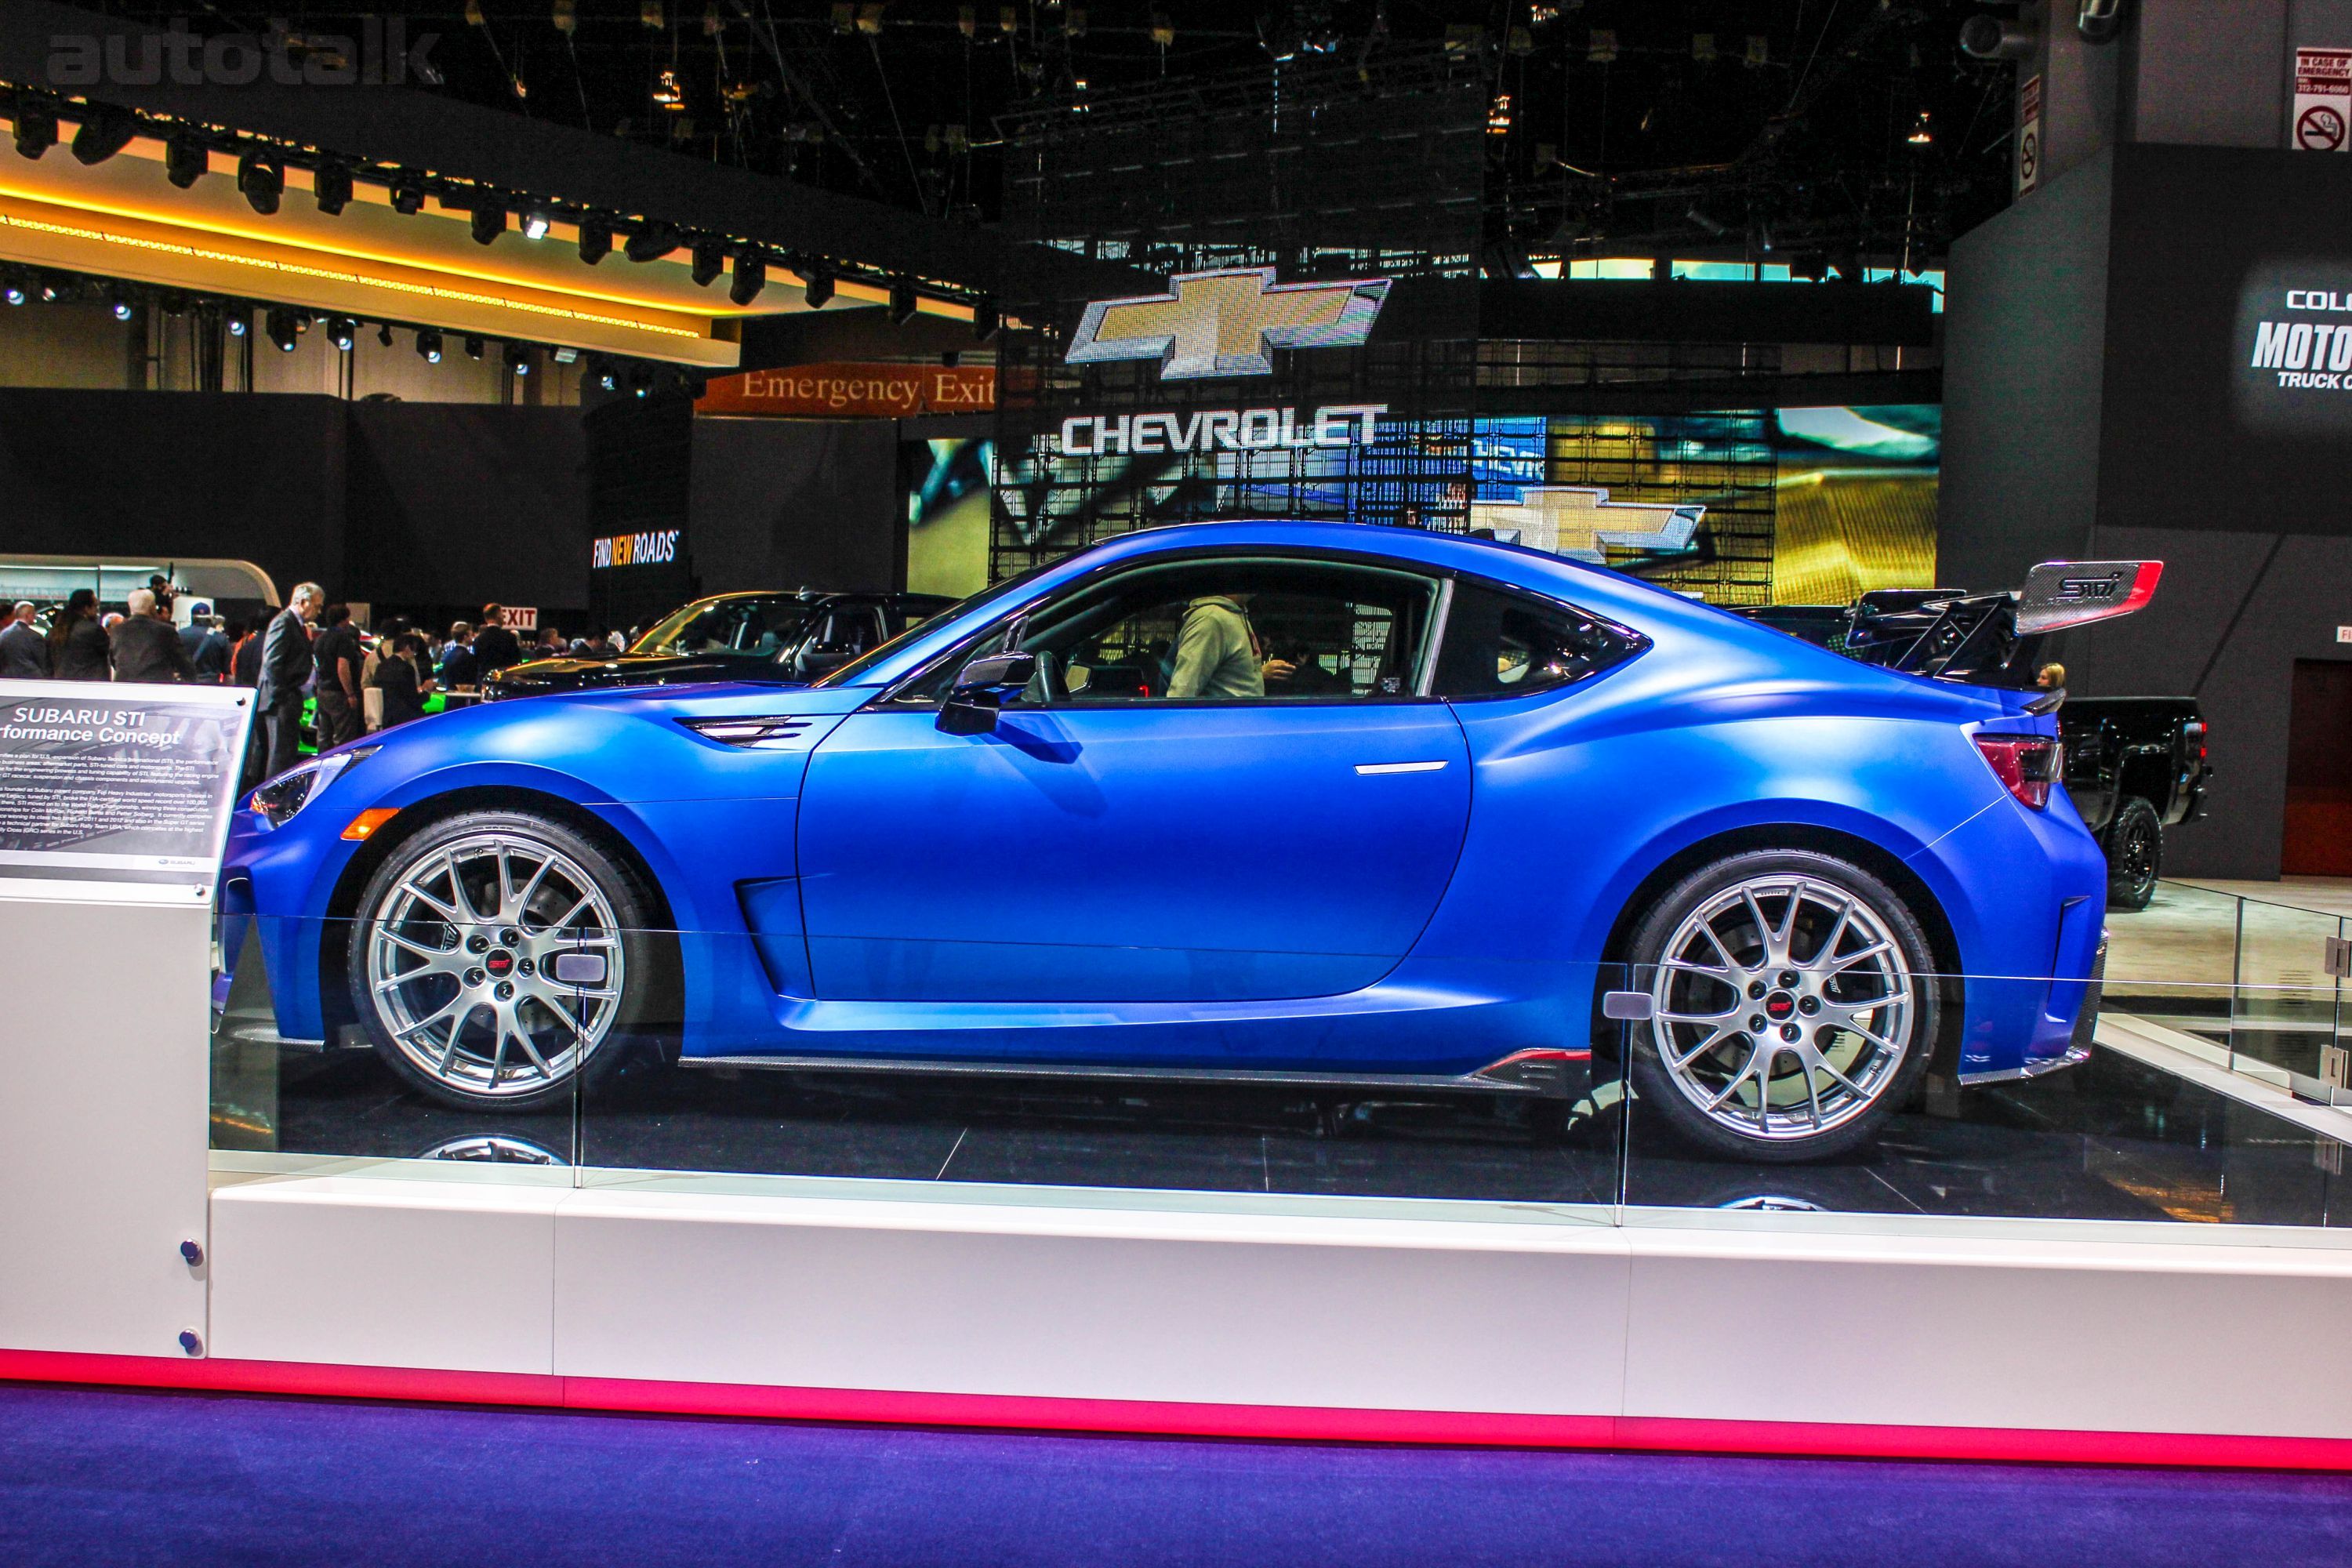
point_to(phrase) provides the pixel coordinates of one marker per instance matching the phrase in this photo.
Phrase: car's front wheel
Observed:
(500, 960)
(1793, 1006)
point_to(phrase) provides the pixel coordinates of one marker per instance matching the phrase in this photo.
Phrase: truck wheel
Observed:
(2134, 847)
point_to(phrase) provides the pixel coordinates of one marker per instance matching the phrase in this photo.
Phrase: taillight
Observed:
(2194, 732)
(2027, 765)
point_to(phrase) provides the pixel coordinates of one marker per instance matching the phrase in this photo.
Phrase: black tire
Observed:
(1827, 1024)
(408, 963)
(2135, 849)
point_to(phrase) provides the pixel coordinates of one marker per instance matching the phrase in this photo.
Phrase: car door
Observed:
(1146, 827)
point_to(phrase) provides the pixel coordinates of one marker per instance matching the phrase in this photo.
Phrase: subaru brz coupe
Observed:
(1279, 800)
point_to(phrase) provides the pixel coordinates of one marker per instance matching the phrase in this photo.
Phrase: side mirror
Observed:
(982, 689)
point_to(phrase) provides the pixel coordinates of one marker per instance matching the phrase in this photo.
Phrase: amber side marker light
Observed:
(368, 821)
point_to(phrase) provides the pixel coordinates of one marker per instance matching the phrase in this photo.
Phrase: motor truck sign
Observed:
(2323, 101)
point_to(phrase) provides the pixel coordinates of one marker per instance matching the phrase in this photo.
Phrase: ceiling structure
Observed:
(1800, 130)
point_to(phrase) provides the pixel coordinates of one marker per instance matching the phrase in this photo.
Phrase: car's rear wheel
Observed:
(1793, 1006)
(501, 963)
(2134, 847)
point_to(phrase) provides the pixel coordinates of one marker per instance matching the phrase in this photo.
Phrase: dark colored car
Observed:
(785, 639)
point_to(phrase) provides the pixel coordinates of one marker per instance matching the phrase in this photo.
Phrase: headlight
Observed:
(280, 798)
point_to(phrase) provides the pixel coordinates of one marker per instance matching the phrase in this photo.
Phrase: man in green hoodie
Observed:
(1217, 653)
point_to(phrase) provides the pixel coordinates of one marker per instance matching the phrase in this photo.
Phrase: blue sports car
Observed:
(1310, 801)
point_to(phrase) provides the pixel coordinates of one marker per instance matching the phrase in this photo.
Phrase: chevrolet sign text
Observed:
(1221, 430)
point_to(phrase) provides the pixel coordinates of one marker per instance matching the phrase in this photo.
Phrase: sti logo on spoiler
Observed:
(1227, 323)
(2106, 587)
(2062, 594)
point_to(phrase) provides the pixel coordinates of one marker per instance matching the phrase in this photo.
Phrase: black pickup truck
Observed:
(2135, 765)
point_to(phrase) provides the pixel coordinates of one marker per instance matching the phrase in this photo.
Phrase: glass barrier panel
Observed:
(431, 1039)
(2173, 963)
(926, 1063)
(1813, 1096)
(2284, 1002)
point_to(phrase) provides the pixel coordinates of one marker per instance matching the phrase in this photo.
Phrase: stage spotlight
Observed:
(105, 132)
(331, 183)
(472, 348)
(262, 178)
(285, 329)
(751, 277)
(36, 128)
(902, 302)
(984, 321)
(237, 323)
(341, 332)
(14, 293)
(710, 261)
(600, 373)
(384, 335)
(428, 345)
(185, 158)
(407, 192)
(818, 285)
(489, 220)
(517, 358)
(651, 243)
(50, 293)
(595, 240)
(536, 223)
(123, 308)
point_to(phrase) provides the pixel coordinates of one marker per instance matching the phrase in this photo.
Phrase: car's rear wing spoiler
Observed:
(1992, 639)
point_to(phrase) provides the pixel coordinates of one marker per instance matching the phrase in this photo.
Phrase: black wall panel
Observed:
(796, 503)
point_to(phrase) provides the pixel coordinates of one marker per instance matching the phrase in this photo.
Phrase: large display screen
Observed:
(2228, 343)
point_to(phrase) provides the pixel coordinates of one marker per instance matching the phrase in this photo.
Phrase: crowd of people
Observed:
(310, 648)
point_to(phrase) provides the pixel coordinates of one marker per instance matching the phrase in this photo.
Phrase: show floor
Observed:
(2114, 1139)
(92, 1477)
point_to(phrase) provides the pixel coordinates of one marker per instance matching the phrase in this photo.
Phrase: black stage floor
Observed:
(2112, 1140)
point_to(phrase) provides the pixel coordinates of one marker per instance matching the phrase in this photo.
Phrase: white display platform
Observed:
(1675, 1328)
(1244, 1315)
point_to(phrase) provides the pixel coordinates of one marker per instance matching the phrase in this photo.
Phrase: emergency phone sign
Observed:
(2323, 101)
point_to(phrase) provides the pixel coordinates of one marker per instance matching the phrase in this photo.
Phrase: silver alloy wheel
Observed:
(460, 952)
(1783, 1007)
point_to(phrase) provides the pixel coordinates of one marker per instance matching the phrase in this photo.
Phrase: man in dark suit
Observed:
(24, 652)
(146, 648)
(495, 647)
(285, 666)
(336, 689)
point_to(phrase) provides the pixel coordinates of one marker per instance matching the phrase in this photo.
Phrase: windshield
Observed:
(847, 675)
(753, 624)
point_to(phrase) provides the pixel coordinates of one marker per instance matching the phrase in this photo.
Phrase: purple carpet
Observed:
(109, 1476)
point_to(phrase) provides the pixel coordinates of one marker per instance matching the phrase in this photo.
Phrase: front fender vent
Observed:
(773, 732)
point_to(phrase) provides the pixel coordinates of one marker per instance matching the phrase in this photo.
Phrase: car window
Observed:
(755, 627)
(1236, 629)
(1500, 643)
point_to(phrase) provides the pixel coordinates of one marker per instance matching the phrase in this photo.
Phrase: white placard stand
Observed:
(104, 1082)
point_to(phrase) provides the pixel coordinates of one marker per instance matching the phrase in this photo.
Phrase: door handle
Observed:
(1400, 767)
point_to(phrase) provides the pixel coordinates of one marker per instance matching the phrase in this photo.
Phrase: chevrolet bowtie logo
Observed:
(1227, 322)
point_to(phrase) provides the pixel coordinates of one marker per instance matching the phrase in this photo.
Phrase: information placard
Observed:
(2323, 100)
(114, 789)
